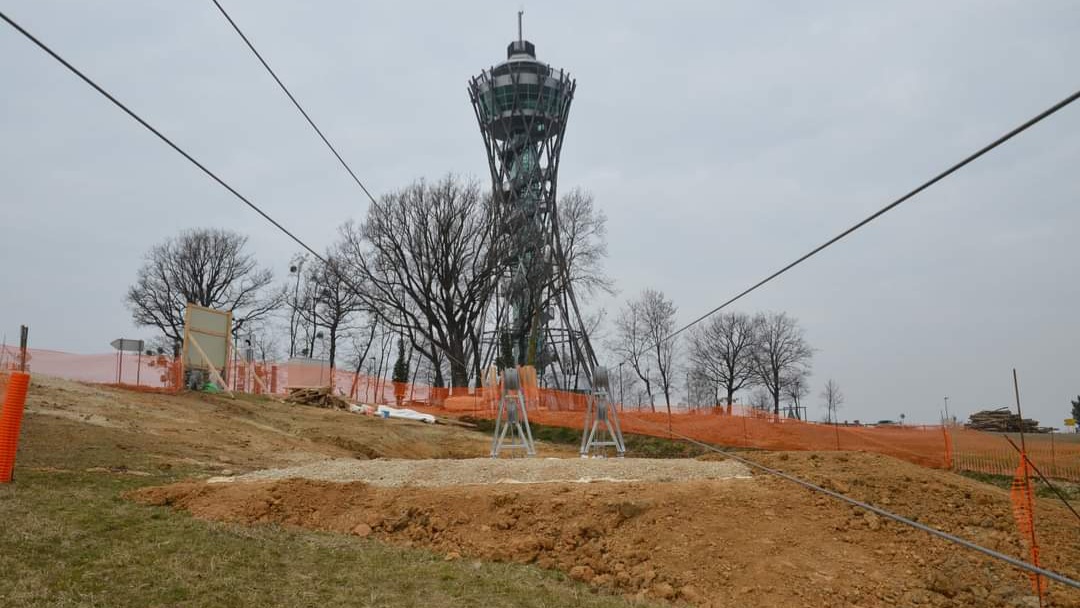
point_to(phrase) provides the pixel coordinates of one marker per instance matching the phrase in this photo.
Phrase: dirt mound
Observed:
(719, 543)
(80, 425)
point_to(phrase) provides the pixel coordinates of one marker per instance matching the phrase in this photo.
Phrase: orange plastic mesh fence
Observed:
(1057, 456)
(1023, 507)
(11, 416)
(146, 371)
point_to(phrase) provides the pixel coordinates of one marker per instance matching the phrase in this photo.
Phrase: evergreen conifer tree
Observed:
(401, 366)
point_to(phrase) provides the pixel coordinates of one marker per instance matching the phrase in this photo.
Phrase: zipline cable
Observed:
(878, 510)
(940, 176)
(159, 135)
(327, 262)
(294, 101)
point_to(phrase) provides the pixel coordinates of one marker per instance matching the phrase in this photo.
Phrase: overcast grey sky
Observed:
(722, 140)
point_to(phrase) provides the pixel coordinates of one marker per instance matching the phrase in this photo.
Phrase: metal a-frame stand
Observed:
(601, 429)
(512, 418)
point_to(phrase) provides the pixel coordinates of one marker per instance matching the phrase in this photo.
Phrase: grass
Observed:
(69, 538)
(1071, 491)
(638, 446)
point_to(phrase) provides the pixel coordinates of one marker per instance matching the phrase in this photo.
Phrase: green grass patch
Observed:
(69, 539)
(1071, 491)
(638, 446)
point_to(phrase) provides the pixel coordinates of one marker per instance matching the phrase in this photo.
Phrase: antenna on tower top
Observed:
(520, 37)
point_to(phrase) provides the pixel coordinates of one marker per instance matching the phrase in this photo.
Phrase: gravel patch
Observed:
(433, 473)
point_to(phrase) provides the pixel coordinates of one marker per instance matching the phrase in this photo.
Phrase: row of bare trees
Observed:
(422, 266)
(725, 354)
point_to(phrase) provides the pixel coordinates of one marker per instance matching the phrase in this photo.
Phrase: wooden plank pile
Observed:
(317, 397)
(1001, 420)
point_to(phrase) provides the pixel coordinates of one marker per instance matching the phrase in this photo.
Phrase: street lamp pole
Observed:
(294, 320)
(622, 404)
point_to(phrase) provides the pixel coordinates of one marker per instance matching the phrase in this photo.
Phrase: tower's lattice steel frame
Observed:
(522, 106)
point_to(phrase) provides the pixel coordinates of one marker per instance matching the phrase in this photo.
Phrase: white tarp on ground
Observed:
(393, 412)
(386, 411)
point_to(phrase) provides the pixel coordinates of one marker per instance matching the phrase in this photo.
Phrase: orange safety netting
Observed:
(1057, 456)
(1022, 496)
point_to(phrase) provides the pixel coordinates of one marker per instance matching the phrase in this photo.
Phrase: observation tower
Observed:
(522, 106)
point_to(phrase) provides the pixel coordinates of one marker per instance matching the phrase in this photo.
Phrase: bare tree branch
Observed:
(205, 266)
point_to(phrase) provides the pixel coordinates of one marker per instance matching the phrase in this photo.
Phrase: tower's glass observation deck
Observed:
(523, 95)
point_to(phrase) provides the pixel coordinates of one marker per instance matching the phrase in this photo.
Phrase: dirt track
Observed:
(709, 543)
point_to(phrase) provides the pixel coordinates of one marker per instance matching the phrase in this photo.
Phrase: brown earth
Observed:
(213, 432)
(761, 542)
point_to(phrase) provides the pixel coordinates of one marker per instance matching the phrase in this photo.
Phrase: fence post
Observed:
(1053, 459)
(24, 336)
(948, 448)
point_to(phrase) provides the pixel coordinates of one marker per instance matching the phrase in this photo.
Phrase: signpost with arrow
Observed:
(123, 345)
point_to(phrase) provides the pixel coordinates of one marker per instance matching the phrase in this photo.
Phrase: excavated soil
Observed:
(723, 542)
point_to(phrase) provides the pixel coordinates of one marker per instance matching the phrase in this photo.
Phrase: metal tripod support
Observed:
(512, 418)
(601, 419)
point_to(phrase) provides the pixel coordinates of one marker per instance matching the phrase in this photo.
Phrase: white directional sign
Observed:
(127, 345)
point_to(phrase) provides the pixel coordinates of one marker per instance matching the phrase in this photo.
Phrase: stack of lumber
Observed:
(1001, 420)
(318, 397)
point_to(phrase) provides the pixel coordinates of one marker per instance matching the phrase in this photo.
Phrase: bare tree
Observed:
(336, 301)
(833, 398)
(659, 315)
(624, 385)
(631, 343)
(642, 333)
(360, 346)
(723, 349)
(701, 389)
(796, 387)
(429, 262)
(205, 266)
(583, 231)
(760, 399)
(781, 354)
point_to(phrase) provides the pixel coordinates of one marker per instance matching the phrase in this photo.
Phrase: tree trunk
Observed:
(478, 372)
(436, 364)
(775, 391)
(333, 347)
(459, 370)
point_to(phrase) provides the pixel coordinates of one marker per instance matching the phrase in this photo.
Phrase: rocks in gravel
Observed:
(435, 473)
